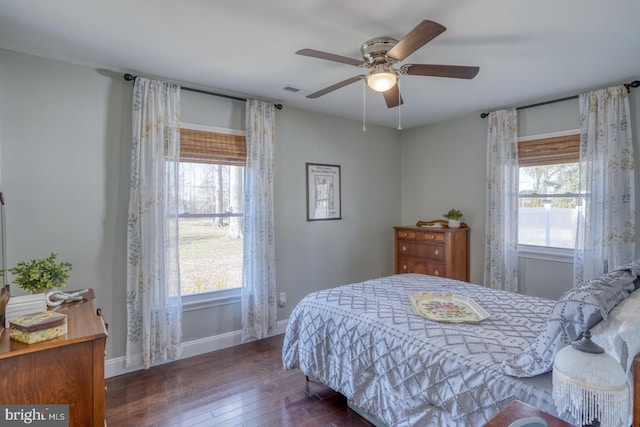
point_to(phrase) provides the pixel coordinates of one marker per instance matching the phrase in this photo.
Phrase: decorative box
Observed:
(38, 327)
(23, 305)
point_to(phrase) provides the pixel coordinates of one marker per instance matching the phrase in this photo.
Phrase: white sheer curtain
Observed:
(259, 275)
(606, 232)
(501, 231)
(154, 311)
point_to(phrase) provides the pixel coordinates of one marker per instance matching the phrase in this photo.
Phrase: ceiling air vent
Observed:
(291, 89)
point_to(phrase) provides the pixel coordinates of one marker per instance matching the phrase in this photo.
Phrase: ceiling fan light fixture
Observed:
(382, 80)
(381, 54)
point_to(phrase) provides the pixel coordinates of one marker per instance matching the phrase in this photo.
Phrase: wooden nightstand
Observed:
(517, 410)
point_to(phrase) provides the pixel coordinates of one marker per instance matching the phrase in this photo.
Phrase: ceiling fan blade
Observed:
(452, 71)
(330, 57)
(392, 97)
(336, 86)
(422, 34)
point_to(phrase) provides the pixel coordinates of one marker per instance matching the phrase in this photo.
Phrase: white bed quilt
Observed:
(365, 341)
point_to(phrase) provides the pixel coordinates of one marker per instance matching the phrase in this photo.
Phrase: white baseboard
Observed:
(116, 366)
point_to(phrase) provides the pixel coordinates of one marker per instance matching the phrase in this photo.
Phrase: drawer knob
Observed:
(436, 273)
(404, 249)
(433, 236)
(436, 252)
(404, 267)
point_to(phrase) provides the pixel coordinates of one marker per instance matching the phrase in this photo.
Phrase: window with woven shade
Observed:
(549, 151)
(211, 197)
(201, 146)
(548, 190)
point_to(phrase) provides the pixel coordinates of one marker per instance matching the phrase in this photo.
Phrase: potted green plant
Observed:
(40, 275)
(454, 216)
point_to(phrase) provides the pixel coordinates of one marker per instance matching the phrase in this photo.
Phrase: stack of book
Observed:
(24, 305)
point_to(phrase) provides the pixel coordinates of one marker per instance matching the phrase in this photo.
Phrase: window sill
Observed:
(546, 253)
(212, 299)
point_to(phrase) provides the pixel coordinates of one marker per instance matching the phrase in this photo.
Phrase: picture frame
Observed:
(323, 192)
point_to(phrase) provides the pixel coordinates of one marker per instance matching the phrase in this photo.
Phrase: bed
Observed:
(365, 341)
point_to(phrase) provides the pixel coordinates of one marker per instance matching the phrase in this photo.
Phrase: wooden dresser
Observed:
(436, 251)
(65, 370)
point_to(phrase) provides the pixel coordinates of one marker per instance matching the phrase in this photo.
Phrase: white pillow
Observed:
(619, 335)
(579, 309)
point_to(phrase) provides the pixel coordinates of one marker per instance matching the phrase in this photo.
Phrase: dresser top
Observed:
(463, 227)
(83, 324)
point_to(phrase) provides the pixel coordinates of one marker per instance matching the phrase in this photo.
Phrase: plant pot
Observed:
(454, 223)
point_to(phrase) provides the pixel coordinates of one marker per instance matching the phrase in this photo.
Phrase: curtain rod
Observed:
(128, 77)
(628, 86)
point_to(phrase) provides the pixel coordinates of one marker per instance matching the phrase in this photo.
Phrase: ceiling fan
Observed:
(380, 54)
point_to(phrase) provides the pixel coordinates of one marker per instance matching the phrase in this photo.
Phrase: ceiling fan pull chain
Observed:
(399, 108)
(364, 105)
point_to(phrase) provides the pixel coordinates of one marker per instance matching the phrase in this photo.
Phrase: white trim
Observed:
(546, 253)
(116, 366)
(549, 135)
(211, 299)
(205, 128)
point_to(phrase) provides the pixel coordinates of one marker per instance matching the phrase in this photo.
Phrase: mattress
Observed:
(365, 341)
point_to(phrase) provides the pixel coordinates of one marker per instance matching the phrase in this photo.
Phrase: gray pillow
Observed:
(579, 309)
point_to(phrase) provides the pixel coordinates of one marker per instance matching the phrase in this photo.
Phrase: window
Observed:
(210, 208)
(548, 191)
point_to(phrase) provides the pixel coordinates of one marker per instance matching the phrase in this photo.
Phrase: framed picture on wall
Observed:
(323, 192)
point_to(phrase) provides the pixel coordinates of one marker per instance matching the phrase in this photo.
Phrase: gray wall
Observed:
(65, 134)
(65, 144)
(444, 165)
(319, 254)
(65, 173)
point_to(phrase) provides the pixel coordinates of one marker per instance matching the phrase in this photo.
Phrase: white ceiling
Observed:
(527, 51)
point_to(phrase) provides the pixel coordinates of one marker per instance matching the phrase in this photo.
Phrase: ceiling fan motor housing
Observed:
(374, 51)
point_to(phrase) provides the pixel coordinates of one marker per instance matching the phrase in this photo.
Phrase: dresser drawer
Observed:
(405, 235)
(421, 266)
(421, 250)
(419, 236)
(431, 237)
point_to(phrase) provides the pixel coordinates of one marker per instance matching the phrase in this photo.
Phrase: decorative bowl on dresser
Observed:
(68, 370)
(433, 248)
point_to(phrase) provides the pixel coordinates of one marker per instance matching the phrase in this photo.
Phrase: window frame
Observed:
(547, 253)
(210, 299)
(215, 298)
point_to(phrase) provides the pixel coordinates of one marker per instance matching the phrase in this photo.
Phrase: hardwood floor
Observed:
(243, 386)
